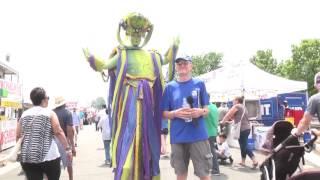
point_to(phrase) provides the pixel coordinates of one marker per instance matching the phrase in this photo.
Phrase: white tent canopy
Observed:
(246, 79)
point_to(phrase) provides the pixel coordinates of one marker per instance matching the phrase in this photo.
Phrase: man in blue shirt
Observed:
(185, 103)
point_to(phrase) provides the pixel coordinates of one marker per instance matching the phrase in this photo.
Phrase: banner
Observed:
(7, 134)
(13, 89)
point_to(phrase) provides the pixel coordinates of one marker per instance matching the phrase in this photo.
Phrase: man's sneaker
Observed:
(165, 157)
(108, 162)
(231, 160)
(215, 174)
(223, 162)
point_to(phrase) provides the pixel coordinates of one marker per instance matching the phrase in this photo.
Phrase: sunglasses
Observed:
(183, 63)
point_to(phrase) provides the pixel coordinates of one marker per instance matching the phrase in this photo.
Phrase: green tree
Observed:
(304, 63)
(206, 63)
(98, 102)
(265, 61)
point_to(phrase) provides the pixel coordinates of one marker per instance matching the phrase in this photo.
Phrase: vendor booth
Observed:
(264, 94)
(10, 105)
(287, 106)
(246, 79)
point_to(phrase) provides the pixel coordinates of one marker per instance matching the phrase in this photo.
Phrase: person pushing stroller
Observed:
(313, 108)
(286, 148)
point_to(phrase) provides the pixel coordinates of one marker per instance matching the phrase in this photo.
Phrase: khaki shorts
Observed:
(200, 154)
(63, 155)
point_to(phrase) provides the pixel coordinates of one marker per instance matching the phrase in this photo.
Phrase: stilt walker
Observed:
(135, 90)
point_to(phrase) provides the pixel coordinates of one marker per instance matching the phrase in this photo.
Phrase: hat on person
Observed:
(59, 101)
(183, 58)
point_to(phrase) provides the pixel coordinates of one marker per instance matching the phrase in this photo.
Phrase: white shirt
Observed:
(53, 152)
(104, 123)
(36, 121)
(225, 148)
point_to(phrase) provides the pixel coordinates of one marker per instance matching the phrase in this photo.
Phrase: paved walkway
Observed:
(89, 163)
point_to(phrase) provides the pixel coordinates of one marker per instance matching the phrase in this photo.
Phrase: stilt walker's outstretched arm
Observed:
(98, 64)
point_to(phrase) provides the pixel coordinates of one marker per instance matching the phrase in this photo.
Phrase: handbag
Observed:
(236, 127)
(15, 153)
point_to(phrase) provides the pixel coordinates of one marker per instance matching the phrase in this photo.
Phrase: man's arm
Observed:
(197, 112)
(178, 113)
(70, 133)
(304, 123)
(169, 115)
(58, 132)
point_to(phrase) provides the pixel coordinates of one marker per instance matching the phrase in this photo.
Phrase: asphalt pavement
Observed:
(89, 163)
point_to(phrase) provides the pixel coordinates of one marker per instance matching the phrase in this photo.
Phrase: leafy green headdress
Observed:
(136, 26)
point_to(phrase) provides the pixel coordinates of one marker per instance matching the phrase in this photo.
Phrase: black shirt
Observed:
(65, 118)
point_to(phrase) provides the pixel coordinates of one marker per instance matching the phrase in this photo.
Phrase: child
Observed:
(223, 151)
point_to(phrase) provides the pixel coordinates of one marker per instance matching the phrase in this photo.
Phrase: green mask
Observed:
(136, 27)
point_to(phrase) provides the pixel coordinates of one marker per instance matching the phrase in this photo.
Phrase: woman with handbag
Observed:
(239, 115)
(37, 128)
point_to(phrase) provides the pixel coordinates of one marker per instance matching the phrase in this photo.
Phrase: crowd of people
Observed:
(188, 124)
(198, 129)
(194, 130)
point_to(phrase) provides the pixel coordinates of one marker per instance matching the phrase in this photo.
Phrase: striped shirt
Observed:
(38, 135)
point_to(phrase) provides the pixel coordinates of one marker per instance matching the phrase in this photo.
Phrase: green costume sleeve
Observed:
(98, 64)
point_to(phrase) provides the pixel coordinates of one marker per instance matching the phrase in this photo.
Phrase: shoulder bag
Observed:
(236, 126)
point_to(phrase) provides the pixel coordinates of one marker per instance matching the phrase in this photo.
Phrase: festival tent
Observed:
(246, 79)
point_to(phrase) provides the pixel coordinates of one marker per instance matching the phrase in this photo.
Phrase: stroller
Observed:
(286, 153)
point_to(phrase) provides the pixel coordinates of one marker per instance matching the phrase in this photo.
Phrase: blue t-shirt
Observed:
(181, 131)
